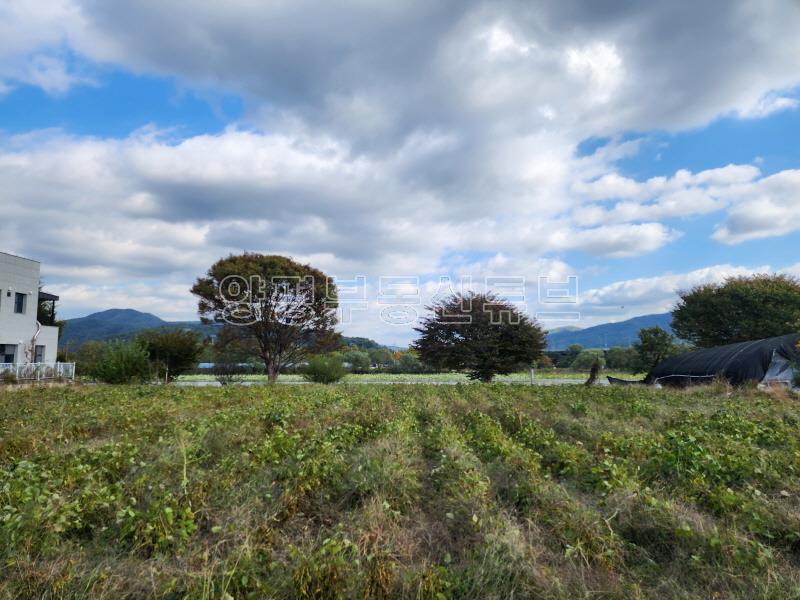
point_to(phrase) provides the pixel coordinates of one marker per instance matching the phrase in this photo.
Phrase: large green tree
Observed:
(288, 308)
(623, 359)
(172, 351)
(478, 333)
(738, 310)
(655, 345)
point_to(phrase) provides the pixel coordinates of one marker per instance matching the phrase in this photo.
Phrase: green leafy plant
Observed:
(378, 491)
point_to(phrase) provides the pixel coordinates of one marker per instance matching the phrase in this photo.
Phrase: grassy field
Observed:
(521, 377)
(479, 491)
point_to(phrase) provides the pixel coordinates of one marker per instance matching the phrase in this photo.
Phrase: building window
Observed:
(19, 303)
(8, 353)
(39, 354)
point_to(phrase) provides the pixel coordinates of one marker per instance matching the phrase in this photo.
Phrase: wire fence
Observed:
(37, 371)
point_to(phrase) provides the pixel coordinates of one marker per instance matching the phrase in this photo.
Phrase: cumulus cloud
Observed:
(764, 208)
(755, 207)
(34, 45)
(155, 205)
(650, 295)
(301, 55)
(646, 295)
(770, 103)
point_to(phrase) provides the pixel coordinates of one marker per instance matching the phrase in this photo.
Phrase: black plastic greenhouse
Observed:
(767, 360)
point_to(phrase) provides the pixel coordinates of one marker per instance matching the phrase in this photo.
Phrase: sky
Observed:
(585, 159)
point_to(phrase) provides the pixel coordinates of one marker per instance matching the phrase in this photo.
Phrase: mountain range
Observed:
(607, 335)
(124, 323)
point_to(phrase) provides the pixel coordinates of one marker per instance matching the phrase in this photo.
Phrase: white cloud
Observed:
(765, 208)
(755, 207)
(51, 74)
(767, 105)
(167, 300)
(648, 295)
(34, 43)
(651, 295)
(501, 42)
(601, 64)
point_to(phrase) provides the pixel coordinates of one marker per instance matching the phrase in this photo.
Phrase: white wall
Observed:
(48, 337)
(22, 275)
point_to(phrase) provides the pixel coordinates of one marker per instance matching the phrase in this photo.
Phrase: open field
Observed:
(480, 491)
(521, 377)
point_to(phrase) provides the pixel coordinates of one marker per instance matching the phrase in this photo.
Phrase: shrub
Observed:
(227, 373)
(8, 378)
(324, 369)
(358, 359)
(409, 362)
(89, 357)
(123, 363)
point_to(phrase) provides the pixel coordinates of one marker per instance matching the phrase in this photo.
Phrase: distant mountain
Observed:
(363, 343)
(107, 324)
(565, 328)
(125, 323)
(607, 335)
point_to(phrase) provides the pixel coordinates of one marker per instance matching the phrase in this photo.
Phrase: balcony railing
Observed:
(38, 371)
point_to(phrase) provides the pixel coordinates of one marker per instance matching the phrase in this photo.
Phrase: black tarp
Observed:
(738, 363)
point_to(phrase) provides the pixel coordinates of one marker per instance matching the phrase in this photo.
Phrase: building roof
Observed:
(21, 257)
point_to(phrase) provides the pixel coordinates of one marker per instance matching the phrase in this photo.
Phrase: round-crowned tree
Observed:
(287, 308)
(480, 334)
(738, 310)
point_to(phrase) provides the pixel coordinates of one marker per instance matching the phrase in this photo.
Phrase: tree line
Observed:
(284, 313)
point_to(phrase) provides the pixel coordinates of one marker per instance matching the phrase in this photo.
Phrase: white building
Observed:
(23, 340)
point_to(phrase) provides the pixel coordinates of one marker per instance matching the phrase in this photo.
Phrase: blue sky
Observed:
(642, 149)
(117, 103)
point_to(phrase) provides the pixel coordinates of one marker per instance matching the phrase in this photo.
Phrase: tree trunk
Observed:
(272, 372)
(593, 373)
